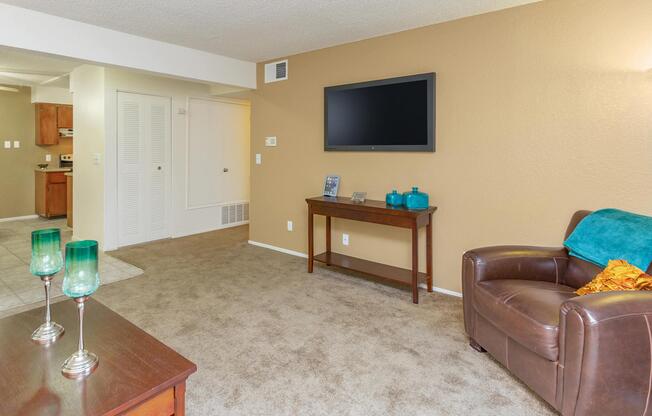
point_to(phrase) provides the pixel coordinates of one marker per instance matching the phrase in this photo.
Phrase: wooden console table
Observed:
(137, 375)
(380, 213)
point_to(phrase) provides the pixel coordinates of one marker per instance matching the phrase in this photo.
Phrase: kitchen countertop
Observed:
(53, 170)
(68, 174)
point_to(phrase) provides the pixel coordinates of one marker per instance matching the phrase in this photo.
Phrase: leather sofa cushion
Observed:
(525, 310)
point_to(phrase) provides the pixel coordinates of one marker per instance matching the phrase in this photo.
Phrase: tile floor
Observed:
(18, 287)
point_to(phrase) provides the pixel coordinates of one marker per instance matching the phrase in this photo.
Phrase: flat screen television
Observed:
(396, 114)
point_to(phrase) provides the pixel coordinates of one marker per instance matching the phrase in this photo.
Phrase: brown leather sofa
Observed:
(585, 355)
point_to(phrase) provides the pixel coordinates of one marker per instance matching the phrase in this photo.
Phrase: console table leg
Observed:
(310, 241)
(180, 399)
(429, 252)
(328, 236)
(415, 264)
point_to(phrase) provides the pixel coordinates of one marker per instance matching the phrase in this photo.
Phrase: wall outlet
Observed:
(7, 144)
(16, 144)
(259, 158)
(290, 226)
(270, 141)
(48, 158)
(345, 239)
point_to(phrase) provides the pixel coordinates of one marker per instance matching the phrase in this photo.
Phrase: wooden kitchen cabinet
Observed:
(51, 194)
(64, 116)
(46, 124)
(69, 199)
(49, 119)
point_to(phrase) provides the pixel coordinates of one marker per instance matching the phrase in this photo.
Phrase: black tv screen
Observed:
(396, 114)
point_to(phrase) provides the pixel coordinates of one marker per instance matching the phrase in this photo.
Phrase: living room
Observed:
(536, 136)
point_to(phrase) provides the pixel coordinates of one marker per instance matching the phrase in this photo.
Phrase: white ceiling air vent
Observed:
(276, 71)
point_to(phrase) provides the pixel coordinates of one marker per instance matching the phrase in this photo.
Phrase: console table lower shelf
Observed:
(379, 270)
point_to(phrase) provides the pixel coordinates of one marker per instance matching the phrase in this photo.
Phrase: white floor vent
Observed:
(235, 213)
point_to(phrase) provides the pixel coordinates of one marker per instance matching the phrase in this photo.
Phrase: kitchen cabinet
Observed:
(64, 116)
(51, 193)
(49, 119)
(69, 199)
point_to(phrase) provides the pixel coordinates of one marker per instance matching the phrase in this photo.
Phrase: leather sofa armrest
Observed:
(605, 345)
(514, 262)
(508, 262)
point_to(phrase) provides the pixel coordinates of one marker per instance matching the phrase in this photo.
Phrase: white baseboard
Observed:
(302, 255)
(24, 217)
(282, 250)
(442, 291)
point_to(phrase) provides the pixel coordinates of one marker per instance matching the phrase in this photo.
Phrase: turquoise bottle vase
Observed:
(394, 199)
(415, 199)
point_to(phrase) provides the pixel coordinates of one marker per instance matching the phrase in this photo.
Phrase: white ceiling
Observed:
(258, 30)
(30, 69)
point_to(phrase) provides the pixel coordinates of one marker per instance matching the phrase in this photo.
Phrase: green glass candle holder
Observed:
(79, 282)
(45, 263)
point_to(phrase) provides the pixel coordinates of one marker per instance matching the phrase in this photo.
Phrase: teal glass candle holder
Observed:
(79, 282)
(46, 252)
(46, 261)
(81, 278)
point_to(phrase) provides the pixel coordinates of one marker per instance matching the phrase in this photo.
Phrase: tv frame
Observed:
(430, 77)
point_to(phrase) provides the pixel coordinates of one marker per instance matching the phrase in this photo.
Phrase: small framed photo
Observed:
(359, 197)
(331, 185)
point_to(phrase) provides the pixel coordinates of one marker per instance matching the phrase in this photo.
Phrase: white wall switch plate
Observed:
(16, 144)
(345, 239)
(96, 158)
(290, 226)
(48, 158)
(259, 158)
(270, 141)
(7, 144)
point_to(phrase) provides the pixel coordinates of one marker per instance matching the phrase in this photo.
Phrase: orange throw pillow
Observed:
(618, 275)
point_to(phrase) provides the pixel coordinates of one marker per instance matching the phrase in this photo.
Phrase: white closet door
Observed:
(158, 139)
(143, 168)
(218, 153)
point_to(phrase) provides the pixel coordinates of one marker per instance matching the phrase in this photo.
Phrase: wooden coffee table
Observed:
(137, 374)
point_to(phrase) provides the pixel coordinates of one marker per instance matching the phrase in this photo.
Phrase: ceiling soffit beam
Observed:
(26, 29)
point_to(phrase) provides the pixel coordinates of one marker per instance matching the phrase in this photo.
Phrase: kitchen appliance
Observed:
(65, 132)
(65, 161)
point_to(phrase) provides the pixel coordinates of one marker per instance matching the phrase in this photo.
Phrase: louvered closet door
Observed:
(143, 167)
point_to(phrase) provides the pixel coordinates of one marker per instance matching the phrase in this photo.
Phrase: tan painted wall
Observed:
(17, 165)
(541, 110)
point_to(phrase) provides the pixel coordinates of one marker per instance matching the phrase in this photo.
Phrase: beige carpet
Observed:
(270, 339)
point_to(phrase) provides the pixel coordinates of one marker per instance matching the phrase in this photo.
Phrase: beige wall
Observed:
(541, 110)
(17, 165)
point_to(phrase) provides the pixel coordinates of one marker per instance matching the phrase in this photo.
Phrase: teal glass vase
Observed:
(46, 252)
(46, 261)
(394, 199)
(415, 199)
(82, 277)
